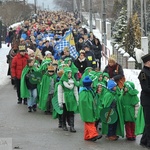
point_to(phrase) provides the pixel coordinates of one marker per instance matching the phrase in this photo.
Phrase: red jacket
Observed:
(18, 63)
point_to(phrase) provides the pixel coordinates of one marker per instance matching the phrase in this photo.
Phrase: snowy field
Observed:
(4, 79)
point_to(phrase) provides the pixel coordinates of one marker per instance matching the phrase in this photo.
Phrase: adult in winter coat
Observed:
(129, 102)
(144, 78)
(47, 48)
(114, 70)
(90, 57)
(97, 49)
(88, 110)
(81, 62)
(80, 44)
(18, 64)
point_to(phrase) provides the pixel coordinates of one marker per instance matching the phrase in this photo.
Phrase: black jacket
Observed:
(97, 51)
(50, 48)
(90, 59)
(81, 65)
(144, 78)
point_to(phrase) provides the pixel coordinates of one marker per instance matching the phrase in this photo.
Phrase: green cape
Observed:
(23, 88)
(87, 106)
(140, 122)
(44, 90)
(108, 99)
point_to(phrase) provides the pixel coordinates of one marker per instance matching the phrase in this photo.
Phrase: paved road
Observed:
(37, 131)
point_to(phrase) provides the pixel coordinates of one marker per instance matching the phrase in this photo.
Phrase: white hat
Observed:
(48, 52)
(30, 51)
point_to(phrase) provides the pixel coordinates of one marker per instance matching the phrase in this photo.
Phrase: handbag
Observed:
(121, 81)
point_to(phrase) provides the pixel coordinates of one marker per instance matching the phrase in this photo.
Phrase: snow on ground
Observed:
(4, 79)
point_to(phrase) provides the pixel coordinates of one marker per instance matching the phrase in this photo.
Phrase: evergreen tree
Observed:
(120, 27)
(137, 30)
(129, 39)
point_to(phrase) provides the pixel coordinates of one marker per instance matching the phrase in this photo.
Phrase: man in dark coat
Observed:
(144, 78)
(47, 48)
(89, 57)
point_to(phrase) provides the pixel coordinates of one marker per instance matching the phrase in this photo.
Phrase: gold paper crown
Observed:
(22, 47)
(55, 62)
(51, 68)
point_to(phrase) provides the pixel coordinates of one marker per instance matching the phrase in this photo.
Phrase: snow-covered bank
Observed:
(4, 79)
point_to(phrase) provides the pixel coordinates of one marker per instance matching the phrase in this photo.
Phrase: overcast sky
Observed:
(44, 3)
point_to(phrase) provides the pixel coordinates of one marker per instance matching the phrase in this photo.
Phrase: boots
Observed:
(19, 101)
(25, 101)
(34, 107)
(30, 109)
(72, 124)
(60, 121)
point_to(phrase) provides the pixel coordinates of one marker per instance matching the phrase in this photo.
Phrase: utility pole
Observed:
(129, 8)
(90, 15)
(0, 32)
(80, 10)
(145, 20)
(35, 3)
(142, 26)
(104, 35)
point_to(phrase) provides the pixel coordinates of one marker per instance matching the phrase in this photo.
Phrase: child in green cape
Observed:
(47, 90)
(28, 89)
(130, 104)
(68, 97)
(112, 126)
(88, 109)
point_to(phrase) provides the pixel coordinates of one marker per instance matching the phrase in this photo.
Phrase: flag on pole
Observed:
(67, 41)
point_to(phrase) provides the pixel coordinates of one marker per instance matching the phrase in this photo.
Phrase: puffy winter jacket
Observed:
(18, 63)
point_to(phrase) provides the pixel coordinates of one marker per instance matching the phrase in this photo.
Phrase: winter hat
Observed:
(51, 68)
(87, 81)
(131, 88)
(111, 84)
(145, 58)
(47, 52)
(22, 48)
(105, 74)
(30, 51)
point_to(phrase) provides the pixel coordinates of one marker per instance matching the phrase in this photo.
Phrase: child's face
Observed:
(69, 63)
(106, 78)
(114, 88)
(31, 64)
(100, 78)
(51, 72)
(69, 75)
(99, 89)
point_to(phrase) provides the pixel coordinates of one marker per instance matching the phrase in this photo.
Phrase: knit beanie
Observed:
(87, 81)
(30, 51)
(111, 84)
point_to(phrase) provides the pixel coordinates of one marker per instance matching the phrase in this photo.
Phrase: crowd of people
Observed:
(61, 85)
